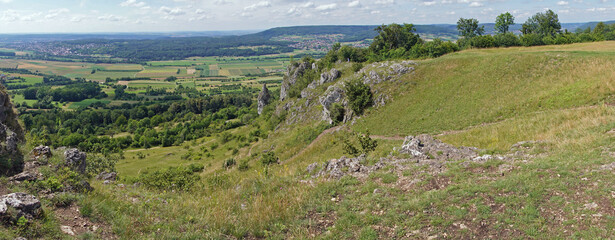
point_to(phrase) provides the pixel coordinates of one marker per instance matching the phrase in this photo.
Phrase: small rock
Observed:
(112, 176)
(592, 205)
(106, 182)
(20, 238)
(24, 176)
(377, 190)
(311, 168)
(68, 230)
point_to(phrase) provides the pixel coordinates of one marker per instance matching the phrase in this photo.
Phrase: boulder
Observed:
(76, 159)
(333, 94)
(112, 176)
(263, 99)
(24, 176)
(25, 205)
(330, 76)
(41, 151)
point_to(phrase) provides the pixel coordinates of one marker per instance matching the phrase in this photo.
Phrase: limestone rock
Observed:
(333, 94)
(41, 151)
(425, 146)
(76, 159)
(330, 76)
(24, 176)
(26, 205)
(292, 74)
(105, 176)
(263, 99)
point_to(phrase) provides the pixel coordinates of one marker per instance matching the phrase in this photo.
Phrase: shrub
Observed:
(359, 95)
(180, 178)
(485, 41)
(507, 40)
(357, 66)
(243, 165)
(361, 144)
(229, 163)
(98, 163)
(531, 39)
(269, 158)
(337, 113)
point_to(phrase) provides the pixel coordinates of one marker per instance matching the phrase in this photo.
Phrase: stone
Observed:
(41, 151)
(67, 230)
(20, 238)
(293, 73)
(333, 94)
(24, 176)
(330, 76)
(76, 159)
(26, 205)
(112, 176)
(310, 169)
(426, 147)
(263, 99)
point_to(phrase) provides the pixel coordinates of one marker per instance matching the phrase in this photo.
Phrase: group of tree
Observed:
(74, 92)
(148, 124)
(540, 29)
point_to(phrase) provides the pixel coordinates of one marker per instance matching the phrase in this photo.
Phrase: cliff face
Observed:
(11, 134)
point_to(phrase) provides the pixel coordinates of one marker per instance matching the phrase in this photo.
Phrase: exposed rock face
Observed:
(263, 99)
(330, 76)
(11, 134)
(291, 76)
(425, 146)
(391, 70)
(26, 205)
(337, 168)
(24, 176)
(334, 94)
(41, 152)
(76, 160)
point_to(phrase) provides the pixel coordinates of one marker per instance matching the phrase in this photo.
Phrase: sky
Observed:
(90, 16)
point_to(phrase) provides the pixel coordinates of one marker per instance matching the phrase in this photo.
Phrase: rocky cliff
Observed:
(11, 134)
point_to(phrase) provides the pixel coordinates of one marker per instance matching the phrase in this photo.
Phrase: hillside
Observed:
(538, 125)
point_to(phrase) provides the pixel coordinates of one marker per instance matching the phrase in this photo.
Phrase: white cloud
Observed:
(384, 2)
(307, 5)
(476, 4)
(326, 7)
(255, 6)
(354, 4)
(56, 12)
(133, 3)
(171, 11)
(6, 1)
(562, 3)
(222, 2)
(111, 18)
(429, 3)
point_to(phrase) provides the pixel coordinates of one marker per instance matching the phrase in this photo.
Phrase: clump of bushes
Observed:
(357, 144)
(172, 178)
(269, 158)
(359, 95)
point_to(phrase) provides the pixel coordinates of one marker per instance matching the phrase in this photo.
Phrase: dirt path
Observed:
(393, 138)
(330, 130)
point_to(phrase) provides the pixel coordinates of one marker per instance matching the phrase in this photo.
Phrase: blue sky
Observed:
(30, 16)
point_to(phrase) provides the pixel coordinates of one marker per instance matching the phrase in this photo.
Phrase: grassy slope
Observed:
(483, 86)
(494, 98)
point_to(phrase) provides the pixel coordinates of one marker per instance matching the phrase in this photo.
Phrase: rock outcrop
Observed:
(330, 76)
(41, 152)
(76, 160)
(337, 168)
(425, 146)
(16, 205)
(11, 134)
(263, 99)
(333, 94)
(290, 78)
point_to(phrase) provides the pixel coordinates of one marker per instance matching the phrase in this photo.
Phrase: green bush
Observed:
(180, 178)
(356, 144)
(243, 165)
(484, 41)
(531, 39)
(507, 40)
(359, 95)
(98, 163)
(229, 163)
(357, 66)
(337, 113)
(269, 158)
